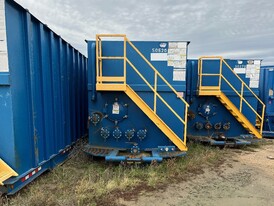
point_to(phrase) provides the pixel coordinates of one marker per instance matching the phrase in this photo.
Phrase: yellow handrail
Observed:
(100, 77)
(156, 93)
(155, 70)
(242, 82)
(243, 85)
(241, 96)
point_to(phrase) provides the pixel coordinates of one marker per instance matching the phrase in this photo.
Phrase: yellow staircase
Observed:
(217, 91)
(106, 83)
(5, 172)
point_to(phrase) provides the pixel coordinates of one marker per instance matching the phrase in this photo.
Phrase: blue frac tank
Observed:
(131, 124)
(43, 97)
(140, 90)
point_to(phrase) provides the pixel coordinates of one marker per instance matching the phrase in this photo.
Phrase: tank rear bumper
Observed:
(126, 155)
(238, 141)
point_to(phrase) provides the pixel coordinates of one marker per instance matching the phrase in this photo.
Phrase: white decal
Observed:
(207, 110)
(158, 56)
(179, 74)
(163, 45)
(115, 108)
(240, 70)
(4, 67)
(254, 84)
(176, 55)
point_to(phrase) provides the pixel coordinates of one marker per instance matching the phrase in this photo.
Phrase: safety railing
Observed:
(122, 79)
(223, 78)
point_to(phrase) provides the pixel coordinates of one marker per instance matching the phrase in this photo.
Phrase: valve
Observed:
(199, 125)
(218, 126)
(226, 126)
(208, 126)
(129, 134)
(104, 133)
(191, 115)
(135, 149)
(141, 134)
(117, 134)
(95, 118)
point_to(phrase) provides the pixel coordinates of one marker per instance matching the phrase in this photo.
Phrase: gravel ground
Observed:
(247, 178)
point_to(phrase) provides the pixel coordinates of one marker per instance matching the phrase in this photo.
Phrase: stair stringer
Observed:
(155, 118)
(240, 117)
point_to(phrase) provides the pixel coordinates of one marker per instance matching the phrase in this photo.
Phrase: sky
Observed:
(241, 29)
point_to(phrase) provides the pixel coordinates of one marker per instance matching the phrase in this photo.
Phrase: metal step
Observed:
(156, 119)
(5, 172)
(239, 116)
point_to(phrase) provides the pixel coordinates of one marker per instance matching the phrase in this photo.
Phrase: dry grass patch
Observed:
(83, 181)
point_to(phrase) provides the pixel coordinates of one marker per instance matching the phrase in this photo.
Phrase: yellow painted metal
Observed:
(110, 35)
(112, 85)
(210, 88)
(97, 56)
(111, 58)
(259, 116)
(110, 79)
(157, 120)
(156, 93)
(142, 77)
(220, 74)
(250, 90)
(200, 67)
(208, 93)
(159, 96)
(242, 95)
(239, 116)
(262, 119)
(101, 62)
(214, 90)
(155, 70)
(155, 88)
(205, 74)
(5, 172)
(185, 125)
(125, 59)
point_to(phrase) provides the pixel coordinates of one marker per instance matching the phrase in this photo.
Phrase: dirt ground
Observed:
(247, 178)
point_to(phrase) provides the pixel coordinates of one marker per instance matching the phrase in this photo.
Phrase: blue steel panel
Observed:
(43, 98)
(266, 95)
(115, 67)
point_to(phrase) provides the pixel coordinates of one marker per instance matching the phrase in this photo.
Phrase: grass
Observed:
(83, 181)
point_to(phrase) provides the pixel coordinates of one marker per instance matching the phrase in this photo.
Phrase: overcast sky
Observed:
(234, 29)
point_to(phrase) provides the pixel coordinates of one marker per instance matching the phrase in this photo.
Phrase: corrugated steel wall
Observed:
(43, 96)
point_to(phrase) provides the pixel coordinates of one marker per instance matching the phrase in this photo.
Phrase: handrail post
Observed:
(242, 93)
(125, 61)
(97, 58)
(101, 62)
(221, 72)
(185, 124)
(262, 119)
(200, 65)
(155, 92)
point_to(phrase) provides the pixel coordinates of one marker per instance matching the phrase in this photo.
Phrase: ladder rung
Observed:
(210, 88)
(110, 79)
(111, 57)
(110, 87)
